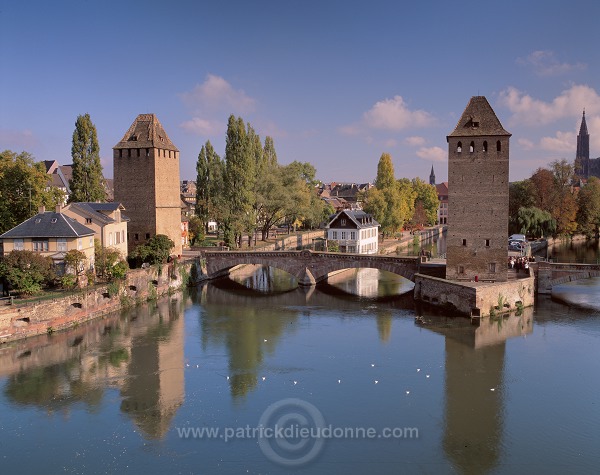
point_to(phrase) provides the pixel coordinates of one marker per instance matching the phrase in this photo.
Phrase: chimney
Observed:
(41, 209)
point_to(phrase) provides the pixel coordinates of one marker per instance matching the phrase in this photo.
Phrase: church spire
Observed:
(432, 177)
(582, 158)
(583, 129)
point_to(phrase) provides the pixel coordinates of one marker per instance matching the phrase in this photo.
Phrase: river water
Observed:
(124, 394)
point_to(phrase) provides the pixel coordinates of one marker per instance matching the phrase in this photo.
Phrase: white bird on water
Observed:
(263, 378)
(376, 381)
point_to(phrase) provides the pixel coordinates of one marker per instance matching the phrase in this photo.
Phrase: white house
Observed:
(355, 232)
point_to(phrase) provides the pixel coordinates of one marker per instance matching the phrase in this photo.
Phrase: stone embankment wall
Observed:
(475, 298)
(24, 320)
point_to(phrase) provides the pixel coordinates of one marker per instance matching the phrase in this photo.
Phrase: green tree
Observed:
(209, 185)
(520, 195)
(154, 251)
(108, 261)
(196, 228)
(564, 202)
(535, 222)
(426, 196)
(238, 183)
(87, 183)
(27, 272)
(588, 216)
(75, 261)
(24, 187)
(391, 202)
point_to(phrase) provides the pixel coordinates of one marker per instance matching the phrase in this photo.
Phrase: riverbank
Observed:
(407, 239)
(30, 318)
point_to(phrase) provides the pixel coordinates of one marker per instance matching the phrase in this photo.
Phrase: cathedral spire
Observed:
(432, 177)
(582, 157)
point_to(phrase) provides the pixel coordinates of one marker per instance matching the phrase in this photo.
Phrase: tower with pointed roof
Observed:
(146, 181)
(582, 157)
(478, 156)
(432, 177)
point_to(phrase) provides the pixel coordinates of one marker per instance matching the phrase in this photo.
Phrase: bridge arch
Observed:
(309, 267)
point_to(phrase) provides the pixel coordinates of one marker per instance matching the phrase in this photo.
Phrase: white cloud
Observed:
(211, 102)
(203, 127)
(435, 154)
(545, 63)
(529, 111)
(352, 129)
(216, 94)
(415, 141)
(565, 142)
(393, 114)
(390, 143)
(593, 124)
(526, 144)
(17, 139)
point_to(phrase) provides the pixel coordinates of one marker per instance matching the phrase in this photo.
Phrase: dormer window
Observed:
(38, 220)
(53, 220)
(343, 222)
(133, 138)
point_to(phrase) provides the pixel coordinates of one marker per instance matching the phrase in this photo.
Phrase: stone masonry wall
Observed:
(21, 321)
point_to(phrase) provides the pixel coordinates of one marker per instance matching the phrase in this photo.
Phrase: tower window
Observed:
(487, 243)
(136, 236)
(498, 146)
(492, 267)
(464, 242)
(120, 153)
(129, 153)
(138, 152)
(459, 147)
(147, 152)
(472, 147)
(485, 147)
(147, 235)
(461, 269)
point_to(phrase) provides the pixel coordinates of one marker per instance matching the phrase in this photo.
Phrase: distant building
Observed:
(585, 166)
(442, 194)
(355, 232)
(51, 234)
(106, 220)
(478, 161)
(59, 176)
(146, 181)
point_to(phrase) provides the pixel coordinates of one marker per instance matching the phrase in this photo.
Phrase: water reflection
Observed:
(474, 389)
(246, 331)
(575, 251)
(140, 353)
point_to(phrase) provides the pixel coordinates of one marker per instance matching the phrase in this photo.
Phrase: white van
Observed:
(517, 237)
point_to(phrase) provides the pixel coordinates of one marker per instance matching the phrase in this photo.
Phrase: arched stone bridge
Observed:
(550, 274)
(309, 267)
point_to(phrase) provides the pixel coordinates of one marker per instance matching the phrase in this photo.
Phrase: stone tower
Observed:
(146, 181)
(477, 242)
(432, 177)
(582, 158)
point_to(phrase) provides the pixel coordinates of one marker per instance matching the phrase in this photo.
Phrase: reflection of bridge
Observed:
(549, 274)
(310, 267)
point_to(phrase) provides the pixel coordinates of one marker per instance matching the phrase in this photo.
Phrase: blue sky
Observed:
(335, 83)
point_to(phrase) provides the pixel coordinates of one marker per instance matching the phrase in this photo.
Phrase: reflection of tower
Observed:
(473, 423)
(155, 387)
(474, 387)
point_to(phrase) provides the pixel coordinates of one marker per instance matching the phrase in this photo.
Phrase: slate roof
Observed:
(96, 210)
(478, 119)
(146, 132)
(361, 219)
(48, 225)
